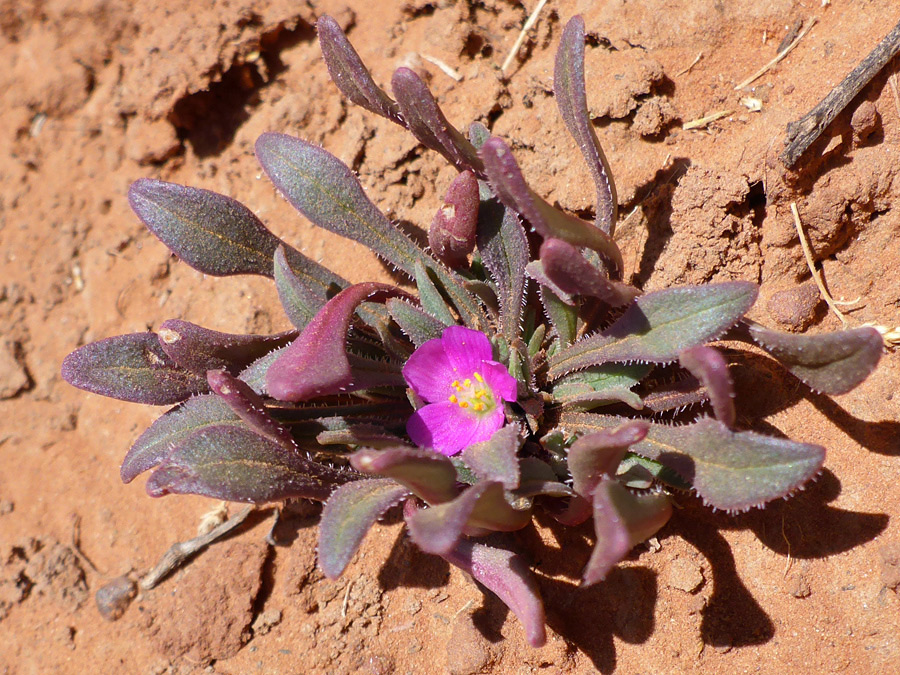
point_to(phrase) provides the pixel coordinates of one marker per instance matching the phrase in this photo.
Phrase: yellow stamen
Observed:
(478, 406)
(479, 393)
(467, 382)
(463, 404)
(453, 398)
(478, 376)
(455, 384)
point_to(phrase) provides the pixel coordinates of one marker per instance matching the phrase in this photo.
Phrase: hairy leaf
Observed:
(316, 363)
(506, 575)
(511, 188)
(657, 326)
(169, 430)
(348, 515)
(504, 252)
(200, 349)
(598, 454)
(301, 299)
(599, 385)
(708, 365)
(622, 520)
(731, 470)
(832, 363)
(568, 87)
(133, 368)
(236, 464)
(427, 122)
(326, 191)
(416, 323)
(368, 435)
(430, 297)
(248, 405)
(211, 232)
(566, 267)
(429, 475)
(349, 73)
(496, 458)
(438, 529)
(563, 317)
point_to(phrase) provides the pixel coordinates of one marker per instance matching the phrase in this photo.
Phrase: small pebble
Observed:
(795, 308)
(113, 598)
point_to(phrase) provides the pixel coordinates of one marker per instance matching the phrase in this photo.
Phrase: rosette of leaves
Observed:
(320, 411)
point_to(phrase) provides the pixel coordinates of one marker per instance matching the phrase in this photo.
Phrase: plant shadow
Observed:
(624, 604)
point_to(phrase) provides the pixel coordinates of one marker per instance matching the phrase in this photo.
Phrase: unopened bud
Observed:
(452, 232)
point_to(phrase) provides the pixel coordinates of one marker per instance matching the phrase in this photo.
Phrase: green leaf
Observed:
(504, 251)
(831, 363)
(417, 324)
(430, 297)
(236, 464)
(496, 458)
(600, 385)
(348, 515)
(731, 470)
(170, 430)
(657, 326)
(132, 368)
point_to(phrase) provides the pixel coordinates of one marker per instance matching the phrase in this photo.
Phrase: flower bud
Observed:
(452, 232)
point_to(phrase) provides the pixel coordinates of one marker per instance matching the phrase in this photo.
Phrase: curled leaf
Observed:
(507, 576)
(348, 515)
(596, 455)
(622, 520)
(507, 180)
(659, 325)
(437, 529)
(429, 475)
(249, 406)
(568, 87)
(426, 121)
(133, 368)
(316, 363)
(708, 365)
(564, 265)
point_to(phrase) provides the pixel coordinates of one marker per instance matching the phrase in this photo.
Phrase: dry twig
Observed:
(521, 39)
(802, 133)
(179, 552)
(703, 121)
(811, 263)
(778, 57)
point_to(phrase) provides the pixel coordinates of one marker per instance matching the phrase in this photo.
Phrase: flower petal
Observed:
(466, 350)
(428, 371)
(449, 429)
(502, 384)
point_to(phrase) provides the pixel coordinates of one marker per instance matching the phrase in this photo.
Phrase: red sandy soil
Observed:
(96, 94)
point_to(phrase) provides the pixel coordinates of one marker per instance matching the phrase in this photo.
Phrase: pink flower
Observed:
(465, 390)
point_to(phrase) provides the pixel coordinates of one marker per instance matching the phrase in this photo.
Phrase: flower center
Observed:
(473, 394)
